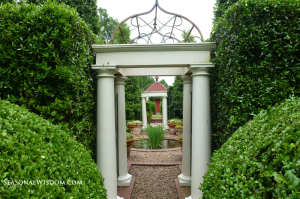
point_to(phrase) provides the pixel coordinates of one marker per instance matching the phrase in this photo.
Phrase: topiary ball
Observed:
(39, 160)
(261, 159)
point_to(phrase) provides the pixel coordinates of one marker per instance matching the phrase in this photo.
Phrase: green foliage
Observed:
(163, 82)
(87, 10)
(261, 159)
(45, 58)
(121, 34)
(132, 99)
(175, 99)
(257, 62)
(145, 82)
(190, 38)
(221, 6)
(149, 117)
(6, 1)
(153, 107)
(129, 136)
(178, 127)
(34, 149)
(108, 25)
(155, 135)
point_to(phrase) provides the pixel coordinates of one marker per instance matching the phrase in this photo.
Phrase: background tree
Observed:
(132, 99)
(108, 25)
(145, 82)
(185, 34)
(175, 96)
(163, 82)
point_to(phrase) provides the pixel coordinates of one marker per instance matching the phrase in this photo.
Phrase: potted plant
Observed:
(135, 126)
(172, 123)
(130, 140)
(178, 129)
(180, 140)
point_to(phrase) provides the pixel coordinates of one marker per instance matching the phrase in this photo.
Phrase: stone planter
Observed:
(129, 145)
(180, 142)
(135, 128)
(178, 132)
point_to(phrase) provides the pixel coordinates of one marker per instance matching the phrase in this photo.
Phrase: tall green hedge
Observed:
(261, 159)
(257, 58)
(44, 65)
(87, 10)
(34, 151)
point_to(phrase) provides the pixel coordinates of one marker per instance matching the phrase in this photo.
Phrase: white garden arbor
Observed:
(114, 63)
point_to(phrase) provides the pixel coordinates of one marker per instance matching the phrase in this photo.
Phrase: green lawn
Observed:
(156, 116)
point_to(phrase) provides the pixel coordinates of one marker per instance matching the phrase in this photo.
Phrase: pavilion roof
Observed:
(157, 86)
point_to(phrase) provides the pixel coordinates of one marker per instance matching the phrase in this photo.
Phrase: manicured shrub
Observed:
(45, 57)
(257, 57)
(32, 148)
(87, 10)
(261, 159)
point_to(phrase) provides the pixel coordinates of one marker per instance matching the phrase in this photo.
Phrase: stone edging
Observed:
(155, 163)
(156, 150)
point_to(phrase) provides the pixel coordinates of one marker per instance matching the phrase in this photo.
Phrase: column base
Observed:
(124, 181)
(166, 127)
(184, 181)
(118, 197)
(190, 197)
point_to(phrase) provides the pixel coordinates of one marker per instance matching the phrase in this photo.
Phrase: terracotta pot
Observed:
(129, 145)
(180, 142)
(139, 125)
(171, 125)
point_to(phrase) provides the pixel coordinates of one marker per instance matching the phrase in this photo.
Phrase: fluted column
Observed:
(185, 176)
(124, 178)
(106, 139)
(144, 112)
(165, 112)
(201, 138)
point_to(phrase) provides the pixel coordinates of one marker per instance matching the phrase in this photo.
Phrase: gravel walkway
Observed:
(168, 156)
(154, 182)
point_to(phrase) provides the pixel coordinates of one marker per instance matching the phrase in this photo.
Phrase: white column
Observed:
(144, 112)
(201, 141)
(124, 178)
(165, 112)
(185, 177)
(106, 140)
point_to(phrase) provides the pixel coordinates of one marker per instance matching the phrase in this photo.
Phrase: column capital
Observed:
(120, 80)
(164, 97)
(199, 69)
(187, 79)
(105, 71)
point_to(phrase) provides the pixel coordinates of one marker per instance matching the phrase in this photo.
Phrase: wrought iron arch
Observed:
(154, 29)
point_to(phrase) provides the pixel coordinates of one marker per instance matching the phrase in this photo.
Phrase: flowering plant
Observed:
(134, 122)
(129, 136)
(175, 121)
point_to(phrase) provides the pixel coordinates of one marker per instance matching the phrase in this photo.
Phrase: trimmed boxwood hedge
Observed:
(257, 57)
(44, 65)
(261, 159)
(32, 148)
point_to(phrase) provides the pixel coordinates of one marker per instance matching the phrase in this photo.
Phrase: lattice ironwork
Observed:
(165, 30)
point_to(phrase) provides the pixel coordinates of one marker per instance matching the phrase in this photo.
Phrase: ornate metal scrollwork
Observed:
(155, 26)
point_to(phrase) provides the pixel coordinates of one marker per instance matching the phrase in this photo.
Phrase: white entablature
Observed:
(153, 59)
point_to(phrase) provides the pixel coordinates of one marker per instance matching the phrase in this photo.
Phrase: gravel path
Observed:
(168, 156)
(154, 182)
